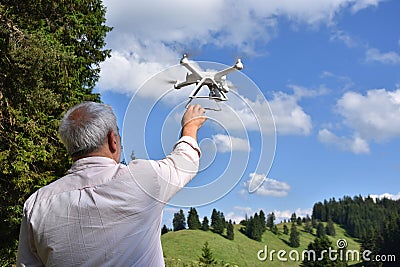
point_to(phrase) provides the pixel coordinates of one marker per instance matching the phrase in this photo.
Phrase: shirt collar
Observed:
(90, 162)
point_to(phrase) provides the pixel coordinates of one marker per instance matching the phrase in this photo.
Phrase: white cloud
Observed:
(373, 117)
(269, 187)
(289, 116)
(226, 143)
(287, 214)
(362, 4)
(239, 213)
(343, 37)
(386, 195)
(150, 35)
(374, 54)
(354, 144)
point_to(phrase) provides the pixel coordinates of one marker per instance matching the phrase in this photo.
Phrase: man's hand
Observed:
(192, 120)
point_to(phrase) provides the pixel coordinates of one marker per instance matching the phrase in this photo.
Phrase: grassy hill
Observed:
(183, 248)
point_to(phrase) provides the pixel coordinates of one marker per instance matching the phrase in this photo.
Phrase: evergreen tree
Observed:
(204, 224)
(320, 230)
(330, 228)
(164, 229)
(229, 231)
(320, 259)
(217, 221)
(254, 227)
(179, 221)
(207, 258)
(285, 229)
(299, 221)
(50, 56)
(274, 229)
(193, 219)
(262, 220)
(271, 220)
(308, 227)
(293, 218)
(294, 239)
(214, 217)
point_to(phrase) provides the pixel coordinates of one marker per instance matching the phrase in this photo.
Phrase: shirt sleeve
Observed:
(178, 168)
(162, 179)
(27, 255)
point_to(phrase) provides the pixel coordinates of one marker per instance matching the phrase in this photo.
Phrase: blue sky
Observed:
(328, 71)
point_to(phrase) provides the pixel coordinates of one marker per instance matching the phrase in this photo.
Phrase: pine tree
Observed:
(275, 230)
(320, 230)
(179, 221)
(299, 221)
(308, 226)
(50, 57)
(214, 217)
(321, 259)
(164, 229)
(271, 220)
(294, 239)
(204, 224)
(330, 228)
(293, 218)
(285, 229)
(217, 221)
(229, 231)
(193, 219)
(263, 220)
(207, 258)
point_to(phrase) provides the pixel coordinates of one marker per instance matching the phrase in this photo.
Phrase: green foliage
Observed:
(229, 231)
(285, 229)
(294, 239)
(204, 224)
(254, 227)
(193, 219)
(293, 217)
(275, 230)
(299, 221)
(308, 227)
(178, 221)
(320, 230)
(217, 221)
(164, 230)
(330, 228)
(270, 220)
(207, 258)
(322, 259)
(50, 55)
(376, 222)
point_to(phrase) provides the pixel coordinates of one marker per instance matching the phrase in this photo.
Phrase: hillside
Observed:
(183, 248)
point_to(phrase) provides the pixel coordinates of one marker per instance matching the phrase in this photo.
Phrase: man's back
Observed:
(96, 216)
(103, 213)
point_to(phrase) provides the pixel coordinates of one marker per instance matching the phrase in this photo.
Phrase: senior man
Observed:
(103, 213)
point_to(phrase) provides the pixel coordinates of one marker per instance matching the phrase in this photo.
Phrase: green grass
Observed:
(183, 248)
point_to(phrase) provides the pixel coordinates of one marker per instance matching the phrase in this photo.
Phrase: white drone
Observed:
(215, 81)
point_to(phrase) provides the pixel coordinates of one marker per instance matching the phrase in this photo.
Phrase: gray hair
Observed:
(85, 127)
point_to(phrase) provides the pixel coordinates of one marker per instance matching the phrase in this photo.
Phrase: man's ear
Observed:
(112, 141)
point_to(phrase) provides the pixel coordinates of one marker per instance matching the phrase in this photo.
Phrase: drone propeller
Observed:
(171, 81)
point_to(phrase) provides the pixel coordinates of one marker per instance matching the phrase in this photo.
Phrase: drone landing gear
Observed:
(206, 108)
(214, 94)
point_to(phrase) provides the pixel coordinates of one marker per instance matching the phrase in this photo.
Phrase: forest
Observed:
(375, 222)
(50, 56)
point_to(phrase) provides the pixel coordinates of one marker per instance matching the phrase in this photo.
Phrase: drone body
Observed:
(215, 81)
